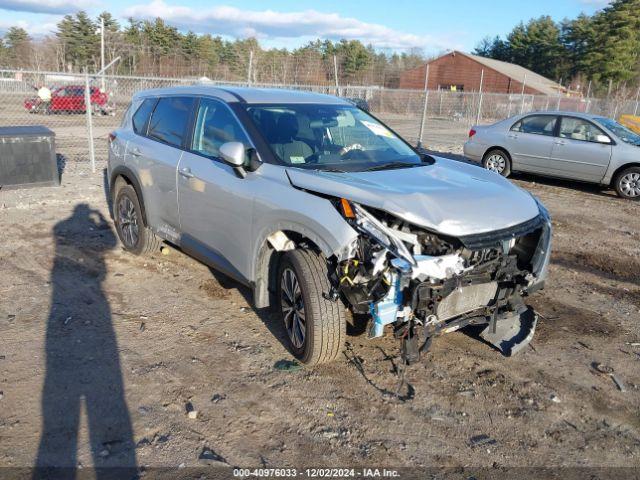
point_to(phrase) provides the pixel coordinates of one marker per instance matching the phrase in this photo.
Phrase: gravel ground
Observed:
(108, 359)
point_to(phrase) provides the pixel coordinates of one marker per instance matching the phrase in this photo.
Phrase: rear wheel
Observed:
(627, 183)
(497, 161)
(315, 326)
(132, 231)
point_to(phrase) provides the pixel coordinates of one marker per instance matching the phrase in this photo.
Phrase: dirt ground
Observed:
(106, 354)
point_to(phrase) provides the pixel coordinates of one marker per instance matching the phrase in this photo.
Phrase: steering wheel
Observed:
(354, 146)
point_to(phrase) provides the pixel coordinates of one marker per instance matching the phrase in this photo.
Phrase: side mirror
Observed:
(233, 153)
(603, 139)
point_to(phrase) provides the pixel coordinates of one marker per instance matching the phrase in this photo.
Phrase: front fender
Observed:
(281, 207)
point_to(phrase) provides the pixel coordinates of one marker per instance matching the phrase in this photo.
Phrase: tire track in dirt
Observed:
(600, 264)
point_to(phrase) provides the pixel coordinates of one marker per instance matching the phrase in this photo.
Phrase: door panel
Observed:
(215, 204)
(156, 165)
(576, 152)
(157, 156)
(216, 208)
(530, 142)
(529, 152)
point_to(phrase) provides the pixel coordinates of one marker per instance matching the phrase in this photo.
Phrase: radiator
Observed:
(466, 299)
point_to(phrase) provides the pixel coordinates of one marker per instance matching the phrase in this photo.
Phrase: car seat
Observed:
(287, 146)
(581, 132)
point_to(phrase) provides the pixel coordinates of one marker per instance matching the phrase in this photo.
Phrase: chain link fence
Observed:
(437, 119)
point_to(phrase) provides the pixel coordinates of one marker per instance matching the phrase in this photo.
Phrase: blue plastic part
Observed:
(385, 311)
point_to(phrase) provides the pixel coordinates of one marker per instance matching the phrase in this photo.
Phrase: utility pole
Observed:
(250, 67)
(586, 110)
(635, 111)
(424, 107)
(480, 99)
(102, 51)
(335, 74)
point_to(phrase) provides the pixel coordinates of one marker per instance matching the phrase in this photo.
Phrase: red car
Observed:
(69, 99)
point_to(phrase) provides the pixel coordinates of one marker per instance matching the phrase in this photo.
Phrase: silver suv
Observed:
(329, 216)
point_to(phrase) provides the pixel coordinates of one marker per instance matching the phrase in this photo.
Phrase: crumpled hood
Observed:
(450, 197)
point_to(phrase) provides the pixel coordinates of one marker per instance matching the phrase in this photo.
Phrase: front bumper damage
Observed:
(426, 284)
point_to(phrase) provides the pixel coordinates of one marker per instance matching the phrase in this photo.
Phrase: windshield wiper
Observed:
(392, 165)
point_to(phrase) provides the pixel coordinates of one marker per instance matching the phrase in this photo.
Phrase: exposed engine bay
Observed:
(424, 284)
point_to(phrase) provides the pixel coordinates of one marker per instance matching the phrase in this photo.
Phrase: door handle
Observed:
(512, 135)
(136, 152)
(186, 172)
(560, 142)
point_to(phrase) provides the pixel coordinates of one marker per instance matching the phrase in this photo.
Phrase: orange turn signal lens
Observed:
(347, 211)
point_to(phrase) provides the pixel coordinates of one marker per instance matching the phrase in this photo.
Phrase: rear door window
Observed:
(537, 125)
(141, 116)
(170, 119)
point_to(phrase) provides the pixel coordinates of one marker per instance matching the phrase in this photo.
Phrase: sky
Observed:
(432, 25)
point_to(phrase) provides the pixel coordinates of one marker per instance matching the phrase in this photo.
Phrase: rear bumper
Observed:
(473, 151)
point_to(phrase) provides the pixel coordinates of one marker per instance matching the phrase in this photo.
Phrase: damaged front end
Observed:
(417, 280)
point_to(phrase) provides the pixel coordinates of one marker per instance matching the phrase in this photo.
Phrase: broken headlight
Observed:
(366, 223)
(372, 228)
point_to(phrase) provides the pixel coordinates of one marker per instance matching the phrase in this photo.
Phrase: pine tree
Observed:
(578, 36)
(615, 52)
(80, 40)
(17, 46)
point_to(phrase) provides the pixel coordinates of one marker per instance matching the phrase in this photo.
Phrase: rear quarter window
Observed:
(170, 119)
(140, 118)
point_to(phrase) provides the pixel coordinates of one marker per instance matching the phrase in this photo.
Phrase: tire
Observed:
(498, 161)
(324, 321)
(133, 233)
(627, 183)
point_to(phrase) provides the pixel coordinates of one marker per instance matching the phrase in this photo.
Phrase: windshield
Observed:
(330, 137)
(620, 131)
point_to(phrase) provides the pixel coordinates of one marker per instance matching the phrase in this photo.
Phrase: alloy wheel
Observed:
(630, 184)
(496, 163)
(293, 308)
(128, 220)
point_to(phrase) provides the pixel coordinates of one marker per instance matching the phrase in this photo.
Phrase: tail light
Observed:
(112, 136)
(472, 132)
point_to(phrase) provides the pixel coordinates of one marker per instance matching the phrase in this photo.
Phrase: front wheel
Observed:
(627, 183)
(315, 326)
(497, 161)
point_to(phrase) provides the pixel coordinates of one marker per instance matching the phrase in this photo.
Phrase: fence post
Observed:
(424, 106)
(559, 95)
(102, 52)
(88, 112)
(635, 110)
(480, 99)
(586, 110)
(524, 83)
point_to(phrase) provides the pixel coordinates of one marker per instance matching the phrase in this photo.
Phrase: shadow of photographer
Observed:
(82, 360)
